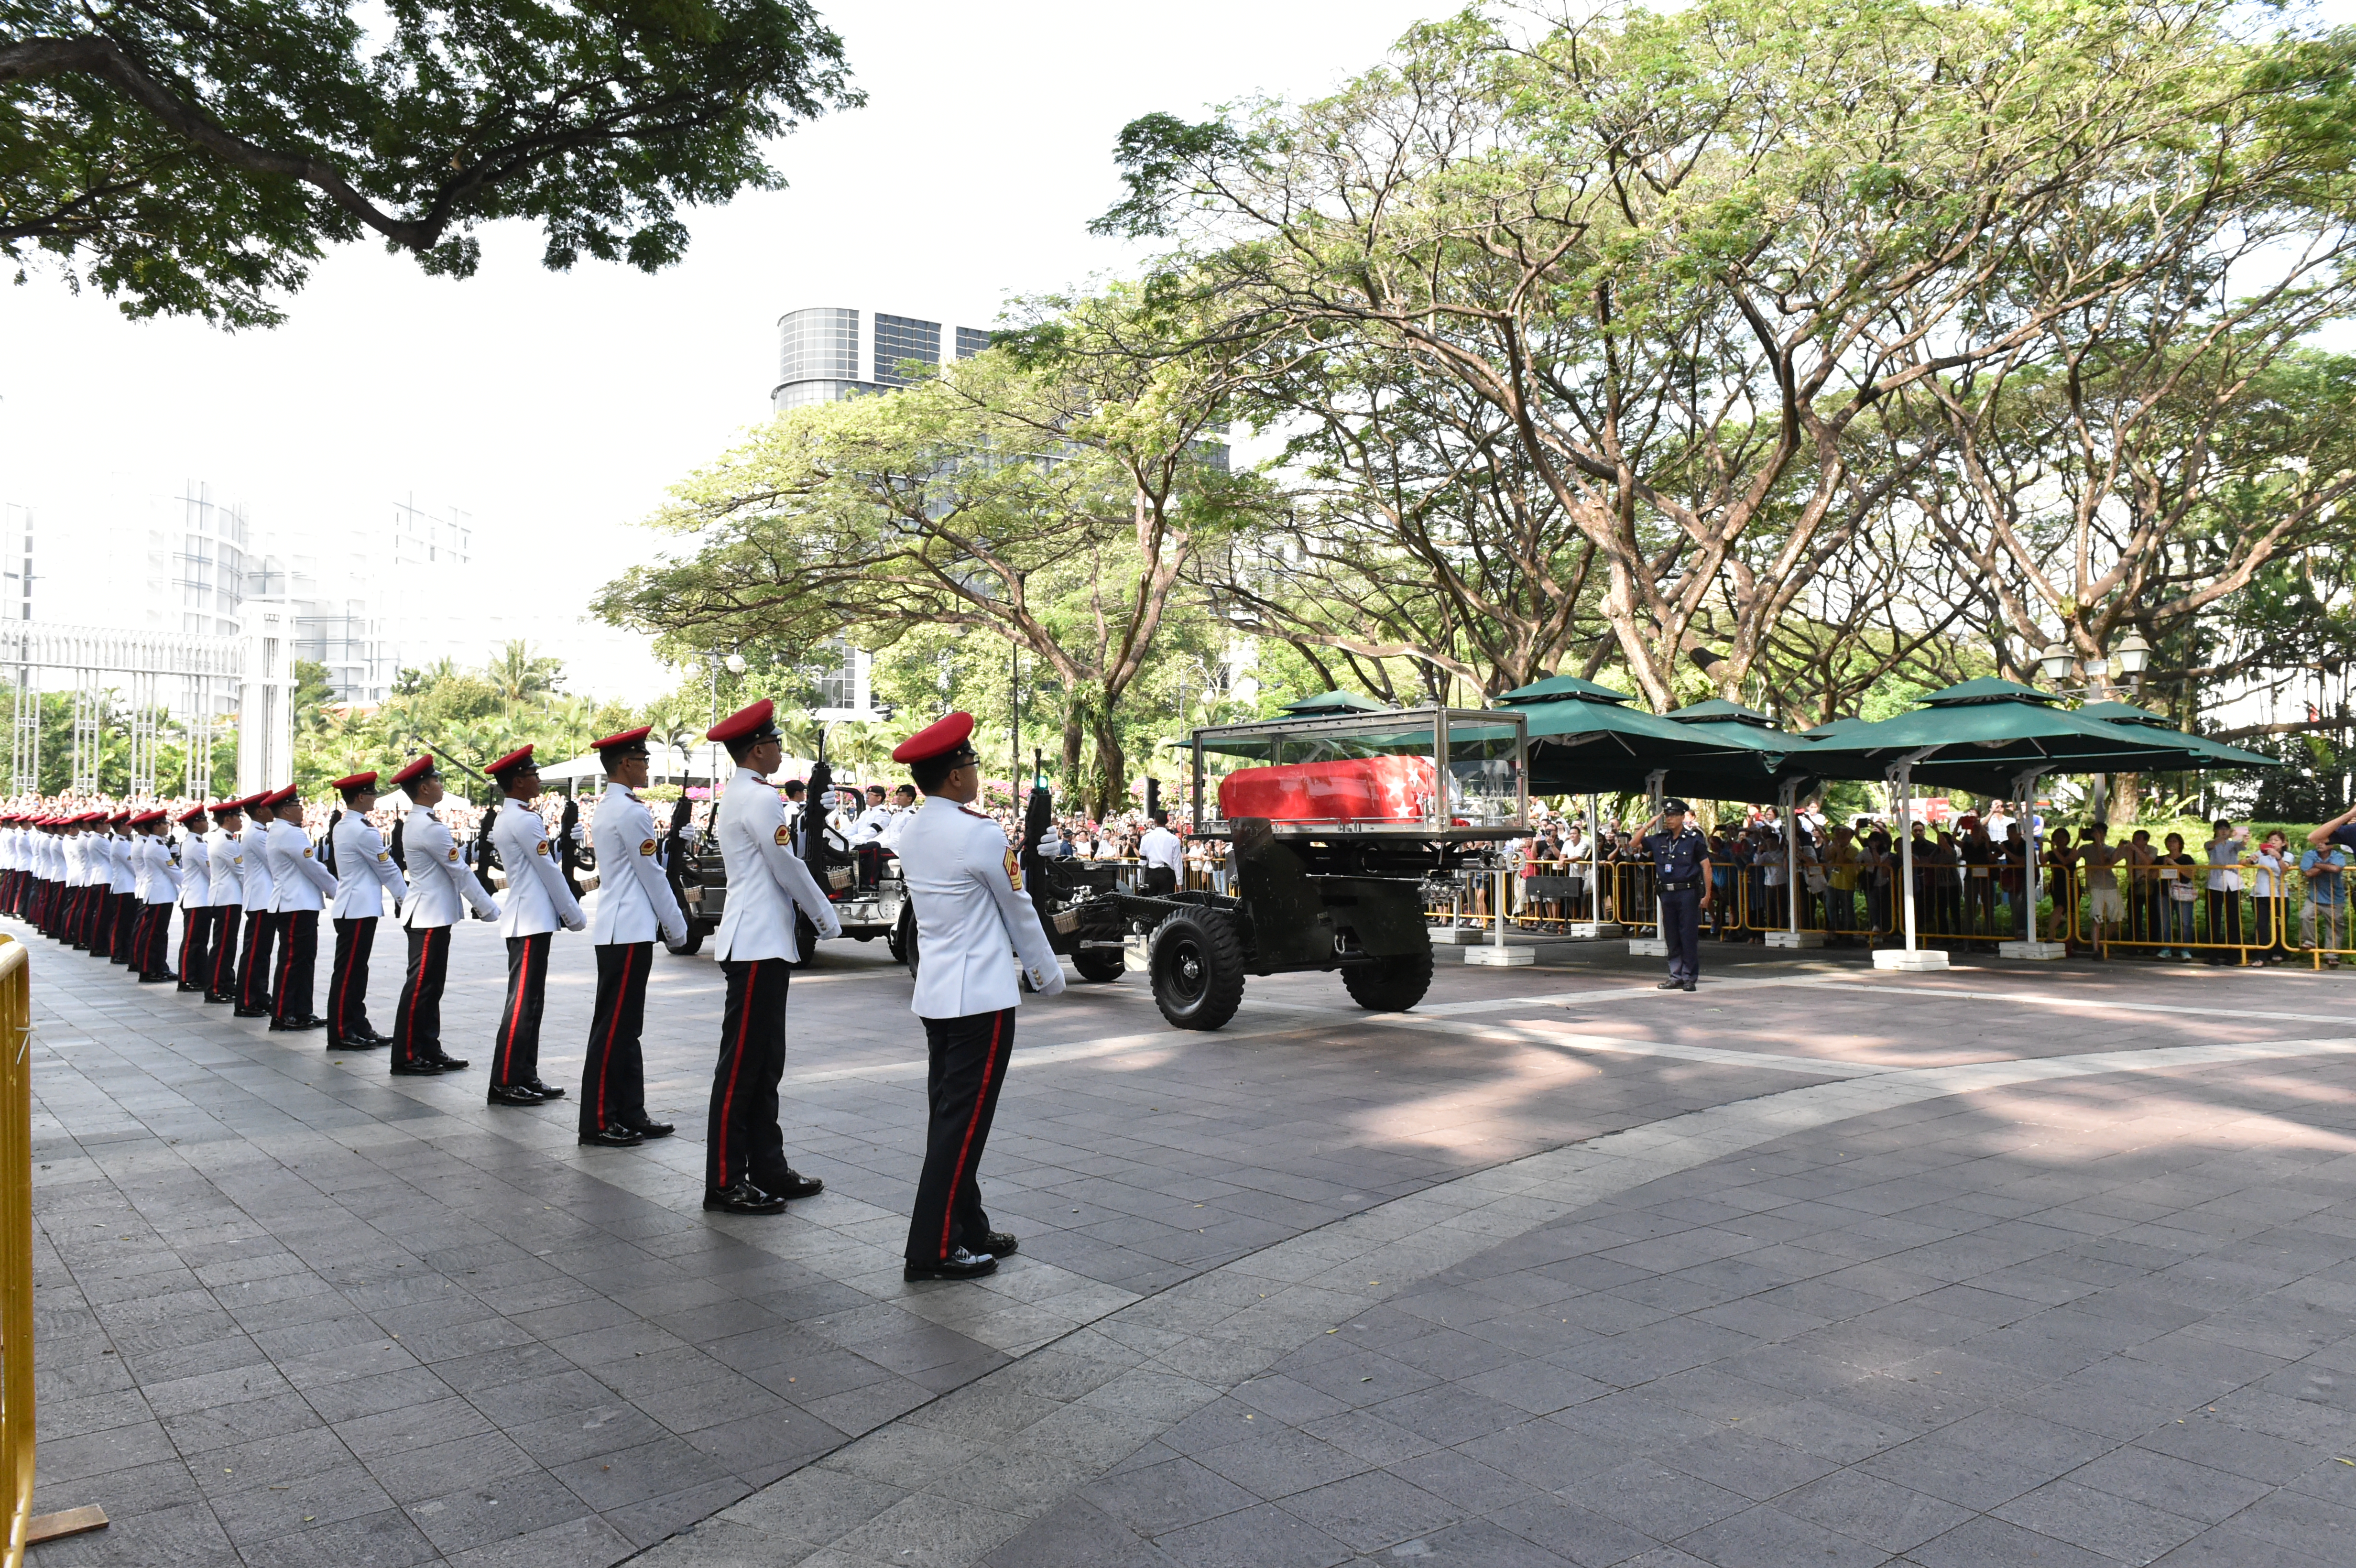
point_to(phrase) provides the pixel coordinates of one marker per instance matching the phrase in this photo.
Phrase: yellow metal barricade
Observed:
(16, 1266)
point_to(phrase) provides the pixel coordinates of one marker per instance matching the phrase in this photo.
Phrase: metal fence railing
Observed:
(16, 1268)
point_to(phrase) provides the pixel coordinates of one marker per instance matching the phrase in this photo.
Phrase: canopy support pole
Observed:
(2024, 787)
(1901, 782)
(1787, 797)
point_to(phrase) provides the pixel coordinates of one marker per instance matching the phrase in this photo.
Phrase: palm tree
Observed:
(518, 675)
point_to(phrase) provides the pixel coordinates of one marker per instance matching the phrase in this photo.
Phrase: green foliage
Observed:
(195, 156)
(471, 715)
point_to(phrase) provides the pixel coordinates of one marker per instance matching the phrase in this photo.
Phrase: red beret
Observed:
(412, 771)
(518, 759)
(937, 739)
(636, 737)
(193, 816)
(356, 781)
(752, 721)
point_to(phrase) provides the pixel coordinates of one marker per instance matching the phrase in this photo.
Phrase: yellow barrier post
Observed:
(16, 1268)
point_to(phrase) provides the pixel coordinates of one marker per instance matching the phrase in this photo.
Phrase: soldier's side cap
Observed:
(191, 818)
(1680, 807)
(746, 724)
(411, 772)
(629, 743)
(939, 738)
(356, 781)
(514, 761)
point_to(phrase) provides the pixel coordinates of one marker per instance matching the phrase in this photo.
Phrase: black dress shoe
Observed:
(226, 1001)
(186, 987)
(158, 980)
(450, 1064)
(358, 1043)
(743, 1198)
(295, 1026)
(545, 1090)
(1670, 985)
(653, 1129)
(794, 1184)
(1000, 1243)
(958, 1265)
(1688, 986)
(417, 1070)
(371, 1037)
(614, 1137)
(512, 1094)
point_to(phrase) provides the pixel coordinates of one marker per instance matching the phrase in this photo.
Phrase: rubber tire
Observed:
(1099, 966)
(1393, 985)
(906, 948)
(692, 946)
(1206, 938)
(805, 938)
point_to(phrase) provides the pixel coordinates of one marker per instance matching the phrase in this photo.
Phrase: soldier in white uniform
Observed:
(263, 923)
(119, 900)
(225, 894)
(196, 901)
(538, 901)
(442, 892)
(745, 1169)
(365, 874)
(301, 891)
(159, 886)
(633, 902)
(974, 923)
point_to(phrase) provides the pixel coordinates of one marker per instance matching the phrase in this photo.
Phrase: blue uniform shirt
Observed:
(1677, 857)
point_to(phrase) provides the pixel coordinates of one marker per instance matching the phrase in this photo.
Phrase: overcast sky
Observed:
(556, 407)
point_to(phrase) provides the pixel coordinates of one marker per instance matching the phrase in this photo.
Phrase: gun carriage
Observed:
(864, 883)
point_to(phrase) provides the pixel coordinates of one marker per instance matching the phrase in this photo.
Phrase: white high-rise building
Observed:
(826, 352)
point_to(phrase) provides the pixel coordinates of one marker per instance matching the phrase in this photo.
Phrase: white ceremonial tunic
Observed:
(536, 897)
(224, 858)
(966, 882)
(159, 881)
(122, 869)
(634, 902)
(364, 870)
(766, 878)
(196, 873)
(299, 882)
(253, 869)
(871, 825)
(441, 889)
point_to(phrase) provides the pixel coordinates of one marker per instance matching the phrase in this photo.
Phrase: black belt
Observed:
(1680, 887)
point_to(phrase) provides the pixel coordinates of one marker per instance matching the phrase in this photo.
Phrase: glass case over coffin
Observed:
(1368, 774)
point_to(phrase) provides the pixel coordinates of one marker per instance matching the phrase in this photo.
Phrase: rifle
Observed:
(327, 845)
(568, 853)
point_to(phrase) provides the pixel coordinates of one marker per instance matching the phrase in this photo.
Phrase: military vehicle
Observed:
(1331, 831)
(868, 896)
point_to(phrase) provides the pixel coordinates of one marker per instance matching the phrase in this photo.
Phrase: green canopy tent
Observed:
(1994, 737)
(2156, 727)
(1334, 702)
(1772, 760)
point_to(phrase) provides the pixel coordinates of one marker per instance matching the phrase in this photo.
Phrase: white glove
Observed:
(576, 923)
(486, 915)
(1051, 983)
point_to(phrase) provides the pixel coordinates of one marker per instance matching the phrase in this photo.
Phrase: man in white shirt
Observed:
(635, 905)
(745, 1170)
(300, 888)
(225, 894)
(966, 884)
(364, 875)
(196, 902)
(1162, 853)
(263, 923)
(537, 903)
(442, 892)
(904, 808)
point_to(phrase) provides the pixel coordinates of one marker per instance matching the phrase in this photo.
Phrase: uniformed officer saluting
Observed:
(745, 1166)
(633, 901)
(1680, 857)
(441, 891)
(971, 915)
(537, 903)
(364, 874)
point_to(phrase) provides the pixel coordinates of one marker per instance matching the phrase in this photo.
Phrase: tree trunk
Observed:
(1069, 779)
(1113, 768)
(2126, 800)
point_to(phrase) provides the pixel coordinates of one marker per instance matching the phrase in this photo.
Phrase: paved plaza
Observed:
(2011, 1265)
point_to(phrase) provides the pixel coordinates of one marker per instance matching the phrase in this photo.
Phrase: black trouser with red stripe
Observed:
(151, 940)
(102, 934)
(968, 1068)
(417, 1021)
(298, 956)
(262, 928)
(614, 1077)
(123, 918)
(515, 1056)
(348, 1022)
(196, 922)
(743, 1141)
(220, 979)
